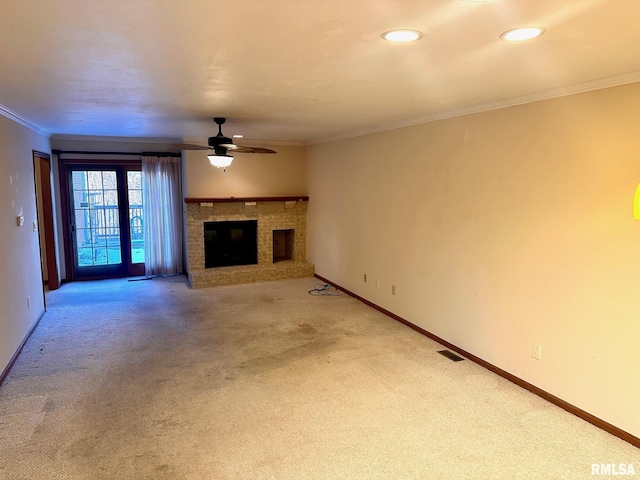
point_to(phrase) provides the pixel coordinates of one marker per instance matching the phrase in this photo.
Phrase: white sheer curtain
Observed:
(162, 207)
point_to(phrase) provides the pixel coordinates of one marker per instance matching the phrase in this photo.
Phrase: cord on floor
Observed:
(324, 290)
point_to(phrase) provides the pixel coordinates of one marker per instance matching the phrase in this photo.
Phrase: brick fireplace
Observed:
(281, 239)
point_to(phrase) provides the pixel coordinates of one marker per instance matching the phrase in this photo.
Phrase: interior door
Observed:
(106, 227)
(44, 199)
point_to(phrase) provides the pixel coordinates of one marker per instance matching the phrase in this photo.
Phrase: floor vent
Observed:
(450, 355)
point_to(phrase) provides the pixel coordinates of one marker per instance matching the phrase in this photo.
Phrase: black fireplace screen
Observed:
(230, 243)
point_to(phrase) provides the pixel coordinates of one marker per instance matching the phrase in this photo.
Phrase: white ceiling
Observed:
(293, 70)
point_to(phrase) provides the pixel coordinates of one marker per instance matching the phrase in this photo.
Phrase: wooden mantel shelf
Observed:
(245, 199)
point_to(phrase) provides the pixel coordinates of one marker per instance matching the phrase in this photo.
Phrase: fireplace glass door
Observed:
(230, 243)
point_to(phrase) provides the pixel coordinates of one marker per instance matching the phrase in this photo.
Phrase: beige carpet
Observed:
(153, 380)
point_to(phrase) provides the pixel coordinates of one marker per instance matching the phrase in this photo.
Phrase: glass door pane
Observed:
(97, 220)
(136, 217)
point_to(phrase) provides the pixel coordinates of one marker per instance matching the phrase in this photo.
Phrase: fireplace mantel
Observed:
(246, 199)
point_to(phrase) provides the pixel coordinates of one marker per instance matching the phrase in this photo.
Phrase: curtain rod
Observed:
(85, 152)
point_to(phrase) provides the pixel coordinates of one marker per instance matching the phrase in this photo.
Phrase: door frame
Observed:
(65, 168)
(46, 227)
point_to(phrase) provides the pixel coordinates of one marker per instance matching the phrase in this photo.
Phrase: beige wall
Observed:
(500, 230)
(20, 275)
(250, 175)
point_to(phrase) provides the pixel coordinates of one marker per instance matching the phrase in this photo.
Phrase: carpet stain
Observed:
(49, 406)
(280, 359)
(307, 329)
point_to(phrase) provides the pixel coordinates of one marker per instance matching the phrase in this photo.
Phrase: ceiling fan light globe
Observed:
(220, 161)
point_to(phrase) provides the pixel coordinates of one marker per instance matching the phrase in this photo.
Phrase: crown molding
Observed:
(103, 138)
(11, 115)
(600, 84)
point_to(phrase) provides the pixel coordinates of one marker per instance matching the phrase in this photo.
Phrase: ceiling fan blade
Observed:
(241, 149)
(221, 145)
(189, 146)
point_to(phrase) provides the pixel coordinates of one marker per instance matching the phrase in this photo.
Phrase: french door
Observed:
(106, 221)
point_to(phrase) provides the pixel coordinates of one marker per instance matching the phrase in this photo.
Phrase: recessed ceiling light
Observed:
(402, 35)
(522, 33)
(238, 136)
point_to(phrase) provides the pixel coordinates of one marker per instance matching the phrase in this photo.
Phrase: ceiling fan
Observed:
(221, 147)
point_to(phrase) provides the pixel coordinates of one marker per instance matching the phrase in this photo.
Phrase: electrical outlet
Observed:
(536, 351)
(393, 289)
(377, 283)
(365, 278)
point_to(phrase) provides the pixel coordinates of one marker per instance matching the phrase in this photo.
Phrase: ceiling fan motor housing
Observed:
(219, 139)
(221, 150)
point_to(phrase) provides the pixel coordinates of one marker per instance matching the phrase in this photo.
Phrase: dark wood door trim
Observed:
(65, 201)
(48, 221)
